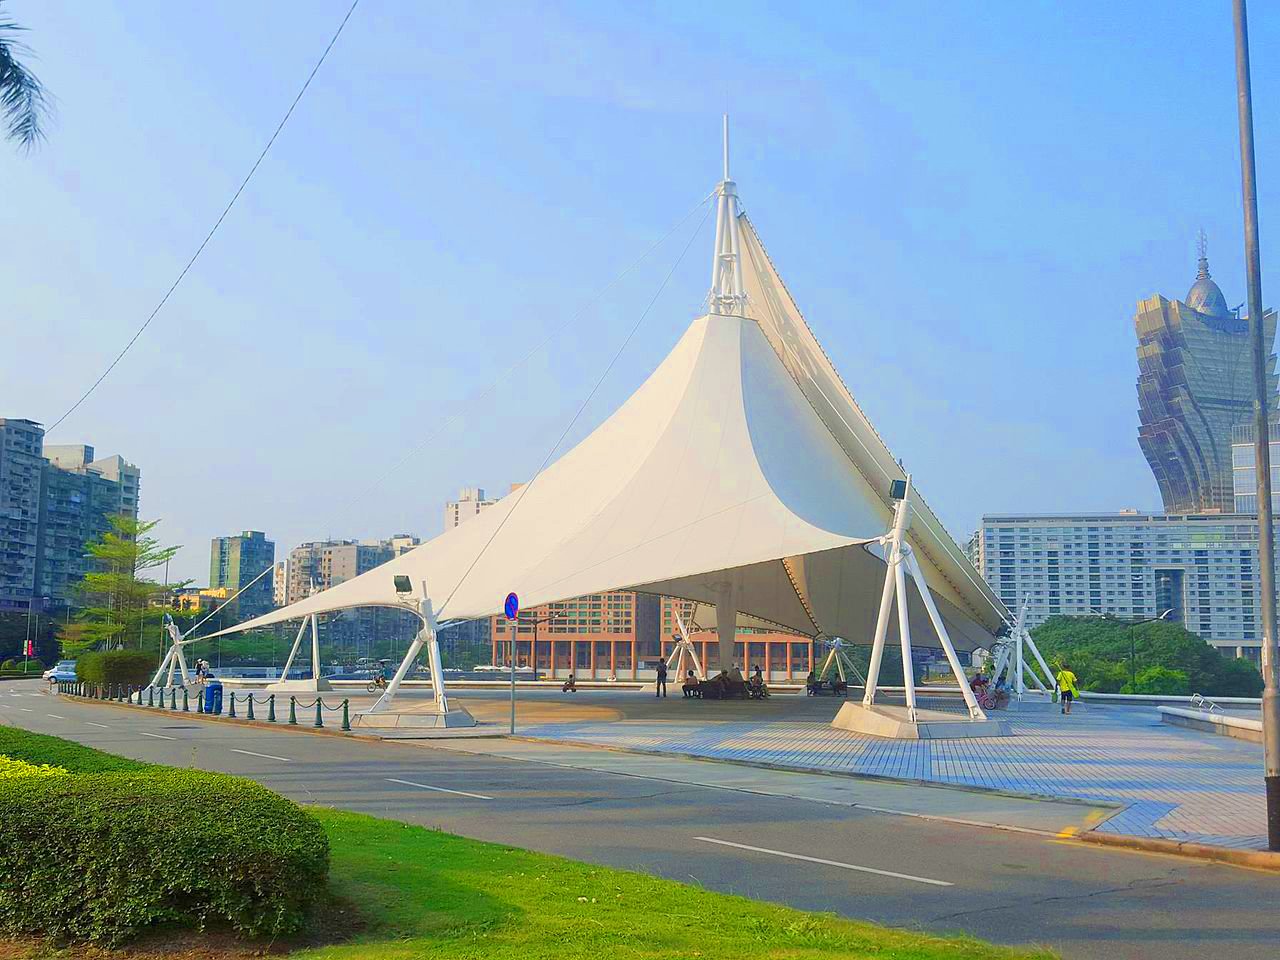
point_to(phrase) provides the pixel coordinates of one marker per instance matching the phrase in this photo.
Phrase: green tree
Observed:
(23, 99)
(1160, 681)
(1103, 652)
(120, 601)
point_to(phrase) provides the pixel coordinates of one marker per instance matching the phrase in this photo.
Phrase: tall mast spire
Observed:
(728, 295)
(726, 146)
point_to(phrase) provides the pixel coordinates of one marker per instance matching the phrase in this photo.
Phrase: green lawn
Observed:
(423, 893)
(426, 893)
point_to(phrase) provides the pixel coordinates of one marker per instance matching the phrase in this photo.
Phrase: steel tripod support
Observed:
(901, 562)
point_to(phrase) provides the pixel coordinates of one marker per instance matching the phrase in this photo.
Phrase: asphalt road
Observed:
(1085, 901)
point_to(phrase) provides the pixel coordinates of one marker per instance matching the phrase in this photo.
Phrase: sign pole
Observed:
(512, 610)
(1261, 436)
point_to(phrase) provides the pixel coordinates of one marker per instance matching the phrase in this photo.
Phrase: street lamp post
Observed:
(1133, 660)
(1261, 434)
(533, 649)
(1133, 648)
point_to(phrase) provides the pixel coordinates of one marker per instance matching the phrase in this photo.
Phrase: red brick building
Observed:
(622, 634)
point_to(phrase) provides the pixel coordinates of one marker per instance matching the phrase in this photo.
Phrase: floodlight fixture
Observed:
(898, 490)
(403, 584)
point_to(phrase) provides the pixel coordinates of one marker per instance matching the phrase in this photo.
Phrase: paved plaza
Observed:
(1174, 783)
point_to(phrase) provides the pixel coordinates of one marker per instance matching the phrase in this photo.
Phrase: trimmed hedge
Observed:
(129, 850)
(39, 748)
(10, 768)
(111, 667)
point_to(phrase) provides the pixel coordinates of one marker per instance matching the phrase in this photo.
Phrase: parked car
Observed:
(62, 671)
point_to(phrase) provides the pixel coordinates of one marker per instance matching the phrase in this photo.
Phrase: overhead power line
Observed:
(217, 223)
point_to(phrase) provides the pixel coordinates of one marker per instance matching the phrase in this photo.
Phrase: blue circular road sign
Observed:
(512, 606)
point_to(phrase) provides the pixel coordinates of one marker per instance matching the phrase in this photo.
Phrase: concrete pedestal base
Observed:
(299, 686)
(891, 723)
(409, 725)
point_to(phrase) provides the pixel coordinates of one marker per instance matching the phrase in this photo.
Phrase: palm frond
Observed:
(24, 103)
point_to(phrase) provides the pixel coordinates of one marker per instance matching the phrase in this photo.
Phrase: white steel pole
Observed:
(424, 637)
(315, 648)
(293, 651)
(164, 665)
(514, 624)
(882, 631)
(940, 628)
(726, 146)
(904, 634)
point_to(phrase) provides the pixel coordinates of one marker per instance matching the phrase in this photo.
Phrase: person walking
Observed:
(1067, 689)
(660, 688)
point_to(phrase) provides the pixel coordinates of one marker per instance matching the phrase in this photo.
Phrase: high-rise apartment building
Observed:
(53, 500)
(236, 563)
(21, 467)
(471, 501)
(1195, 385)
(280, 583)
(1203, 568)
(313, 567)
(401, 544)
(126, 479)
(1245, 477)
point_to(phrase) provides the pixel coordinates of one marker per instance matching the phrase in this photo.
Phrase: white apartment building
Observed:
(1203, 567)
(471, 500)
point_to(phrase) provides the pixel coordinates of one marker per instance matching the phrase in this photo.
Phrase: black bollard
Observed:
(271, 708)
(319, 717)
(186, 705)
(249, 715)
(293, 716)
(346, 718)
(232, 711)
(151, 696)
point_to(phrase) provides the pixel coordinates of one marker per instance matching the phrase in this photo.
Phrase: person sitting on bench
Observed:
(690, 686)
(758, 689)
(570, 685)
(812, 685)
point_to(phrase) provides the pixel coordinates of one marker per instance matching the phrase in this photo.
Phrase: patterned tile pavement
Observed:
(1176, 783)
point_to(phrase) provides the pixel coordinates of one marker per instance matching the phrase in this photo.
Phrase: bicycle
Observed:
(376, 684)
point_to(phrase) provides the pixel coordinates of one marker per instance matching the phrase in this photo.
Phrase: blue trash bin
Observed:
(213, 697)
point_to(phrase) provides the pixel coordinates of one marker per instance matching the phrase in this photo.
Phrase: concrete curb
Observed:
(283, 725)
(1257, 859)
(280, 725)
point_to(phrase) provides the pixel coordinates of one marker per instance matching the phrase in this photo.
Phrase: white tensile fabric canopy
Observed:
(742, 460)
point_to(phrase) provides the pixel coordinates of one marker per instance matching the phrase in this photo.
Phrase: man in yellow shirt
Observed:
(1067, 687)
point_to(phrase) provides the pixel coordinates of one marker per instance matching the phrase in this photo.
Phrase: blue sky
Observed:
(966, 199)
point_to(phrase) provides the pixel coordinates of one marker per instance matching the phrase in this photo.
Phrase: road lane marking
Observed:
(157, 736)
(102, 725)
(425, 786)
(56, 717)
(829, 863)
(264, 756)
(26, 710)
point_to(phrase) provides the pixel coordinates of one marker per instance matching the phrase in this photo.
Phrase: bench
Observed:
(716, 690)
(835, 688)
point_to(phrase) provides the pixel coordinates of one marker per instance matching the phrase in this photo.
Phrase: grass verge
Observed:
(425, 893)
